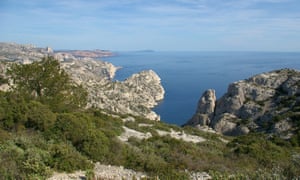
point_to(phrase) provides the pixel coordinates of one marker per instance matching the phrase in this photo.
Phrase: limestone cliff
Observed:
(268, 102)
(205, 109)
(136, 95)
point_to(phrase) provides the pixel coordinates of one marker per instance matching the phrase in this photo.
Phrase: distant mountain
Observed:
(145, 51)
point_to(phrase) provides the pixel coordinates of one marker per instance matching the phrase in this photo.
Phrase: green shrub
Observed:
(67, 158)
(36, 163)
(39, 116)
(80, 129)
(25, 157)
(109, 125)
(11, 157)
(267, 154)
(13, 109)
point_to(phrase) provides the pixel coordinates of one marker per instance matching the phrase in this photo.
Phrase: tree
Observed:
(47, 82)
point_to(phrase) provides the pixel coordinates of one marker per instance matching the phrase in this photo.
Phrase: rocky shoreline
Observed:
(267, 102)
(137, 95)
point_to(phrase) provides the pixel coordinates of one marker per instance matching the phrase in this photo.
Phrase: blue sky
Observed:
(196, 25)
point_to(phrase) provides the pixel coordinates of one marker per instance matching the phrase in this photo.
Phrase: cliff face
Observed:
(136, 95)
(205, 110)
(267, 102)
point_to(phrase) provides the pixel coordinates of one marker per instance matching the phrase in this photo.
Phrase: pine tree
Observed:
(47, 82)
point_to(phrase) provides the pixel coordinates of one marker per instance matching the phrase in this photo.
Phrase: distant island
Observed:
(145, 51)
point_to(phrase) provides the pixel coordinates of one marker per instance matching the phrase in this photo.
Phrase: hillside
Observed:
(35, 141)
(49, 130)
(137, 95)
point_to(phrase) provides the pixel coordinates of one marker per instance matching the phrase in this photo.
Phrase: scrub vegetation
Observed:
(44, 127)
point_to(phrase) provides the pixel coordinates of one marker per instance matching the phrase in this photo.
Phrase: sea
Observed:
(186, 75)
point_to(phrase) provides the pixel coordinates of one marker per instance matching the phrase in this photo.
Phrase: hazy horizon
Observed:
(127, 25)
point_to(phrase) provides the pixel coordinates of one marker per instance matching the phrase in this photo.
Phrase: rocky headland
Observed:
(267, 102)
(136, 95)
(87, 53)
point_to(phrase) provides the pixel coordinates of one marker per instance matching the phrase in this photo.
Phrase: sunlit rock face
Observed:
(205, 110)
(136, 95)
(267, 102)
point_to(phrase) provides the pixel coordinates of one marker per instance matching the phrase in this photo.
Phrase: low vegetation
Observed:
(40, 133)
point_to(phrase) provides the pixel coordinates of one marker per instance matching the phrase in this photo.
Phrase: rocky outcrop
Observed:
(3, 80)
(181, 135)
(266, 102)
(136, 95)
(205, 109)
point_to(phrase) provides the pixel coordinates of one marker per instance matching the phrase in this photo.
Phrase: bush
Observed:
(109, 125)
(13, 110)
(25, 157)
(36, 163)
(11, 157)
(39, 116)
(16, 113)
(80, 129)
(66, 158)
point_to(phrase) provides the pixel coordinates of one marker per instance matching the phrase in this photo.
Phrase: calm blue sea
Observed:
(186, 75)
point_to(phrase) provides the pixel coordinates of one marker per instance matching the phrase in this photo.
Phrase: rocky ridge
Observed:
(267, 102)
(136, 95)
(87, 53)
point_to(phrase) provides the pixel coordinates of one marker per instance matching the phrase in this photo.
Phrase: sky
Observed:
(162, 25)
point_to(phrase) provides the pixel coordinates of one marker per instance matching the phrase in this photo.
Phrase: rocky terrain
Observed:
(136, 95)
(105, 172)
(87, 53)
(108, 172)
(180, 135)
(267, 102)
